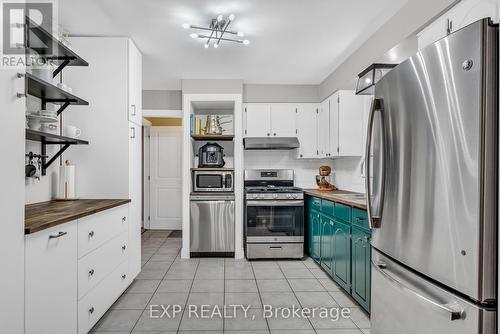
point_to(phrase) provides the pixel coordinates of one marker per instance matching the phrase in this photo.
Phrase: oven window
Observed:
(265, 221)
(209, 181)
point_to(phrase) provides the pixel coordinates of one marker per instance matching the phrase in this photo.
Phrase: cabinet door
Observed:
(324, 129)
(51, 280)
(258, 120)
(342, 255)
(135, 206)
(326, 243)
(361, 269)
(307, 127)
(315, 236)
(135, 84)
(350, 127)
(283, 120)
(334, 125)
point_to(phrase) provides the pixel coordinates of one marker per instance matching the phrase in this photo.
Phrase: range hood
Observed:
(271, 143)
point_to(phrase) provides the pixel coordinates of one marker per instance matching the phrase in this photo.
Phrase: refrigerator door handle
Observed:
(374, 219)
(450, 310)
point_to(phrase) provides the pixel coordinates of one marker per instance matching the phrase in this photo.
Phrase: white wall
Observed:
(281, 93)
(348, 174)
(12, 190)
(305, 170)
(407, 21)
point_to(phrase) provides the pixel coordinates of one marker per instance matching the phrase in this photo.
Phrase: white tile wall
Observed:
(346, 171)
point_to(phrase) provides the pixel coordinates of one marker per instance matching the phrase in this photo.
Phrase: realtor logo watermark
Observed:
(242, 311)
(20, 21)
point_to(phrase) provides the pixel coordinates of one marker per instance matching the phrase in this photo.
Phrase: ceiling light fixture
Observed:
(370, 76)
(217, 31)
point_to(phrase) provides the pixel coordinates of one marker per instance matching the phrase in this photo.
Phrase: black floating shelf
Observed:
(212, 137)
(52, 139)
(49, 47)
(48, 92)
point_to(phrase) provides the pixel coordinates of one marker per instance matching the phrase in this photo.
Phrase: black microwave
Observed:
(213, 180)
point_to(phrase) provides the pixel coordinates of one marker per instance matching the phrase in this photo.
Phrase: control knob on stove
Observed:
(288, 195)
(275, 195)
(295, 196)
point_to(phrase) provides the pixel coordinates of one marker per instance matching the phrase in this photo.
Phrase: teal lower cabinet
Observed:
(339, 240)
(326, 243)
(314, 235)
(360, 266)
(342, 254)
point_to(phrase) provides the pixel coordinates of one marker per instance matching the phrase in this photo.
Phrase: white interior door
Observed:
(165, 172)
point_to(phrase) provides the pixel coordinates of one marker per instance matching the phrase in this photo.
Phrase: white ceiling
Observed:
(292, 41)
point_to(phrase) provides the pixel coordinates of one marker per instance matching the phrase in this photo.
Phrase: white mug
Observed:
(72, 131)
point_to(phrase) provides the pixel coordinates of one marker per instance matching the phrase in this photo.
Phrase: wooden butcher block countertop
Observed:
(41, 216)
(338, 196)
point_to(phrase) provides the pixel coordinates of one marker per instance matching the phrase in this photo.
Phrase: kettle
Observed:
(213, 125)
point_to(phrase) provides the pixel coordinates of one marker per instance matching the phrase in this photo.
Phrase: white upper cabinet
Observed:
(283, 120)
(323, 132)
(271, 120)
(346, 123)
(135, 84)
(334, 124)
(461, 15)
(307, 127)
(258, 120)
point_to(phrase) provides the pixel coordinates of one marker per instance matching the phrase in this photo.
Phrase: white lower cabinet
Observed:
(51, 280)
(94, 267)
(98, 300)
(71, 281)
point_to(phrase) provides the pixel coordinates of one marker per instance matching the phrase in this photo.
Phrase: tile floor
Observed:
(166, 279)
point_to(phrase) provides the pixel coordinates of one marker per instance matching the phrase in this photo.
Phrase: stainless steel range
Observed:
(274, 214)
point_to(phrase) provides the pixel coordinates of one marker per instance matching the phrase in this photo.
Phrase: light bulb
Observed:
(368, 80)
(240, 34)
(219, 18)
(193, 35)
(246, 41)
(216, 45)
(186, 25)
(231, 17)
(206, 45)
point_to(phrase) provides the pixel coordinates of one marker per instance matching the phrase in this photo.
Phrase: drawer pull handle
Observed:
(91, 272)
(124, 247)
(124, 276)
(91, 234)
(124, 219)
(91, 309)
(275, 247)
(58, 235)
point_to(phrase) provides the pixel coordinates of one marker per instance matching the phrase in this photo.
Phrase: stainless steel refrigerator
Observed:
(432, 183)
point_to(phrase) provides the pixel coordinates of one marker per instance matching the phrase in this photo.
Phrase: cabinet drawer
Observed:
(327, 207)
(95, 230)
(96, 265)
(272, 251)
(314, 203)
(99, 300)
(360, 218)
(343, 212)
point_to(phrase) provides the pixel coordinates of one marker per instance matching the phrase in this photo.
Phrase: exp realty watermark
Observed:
(242, 311)
(24, 30)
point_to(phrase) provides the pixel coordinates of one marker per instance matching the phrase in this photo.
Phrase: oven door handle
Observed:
(275, 203)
